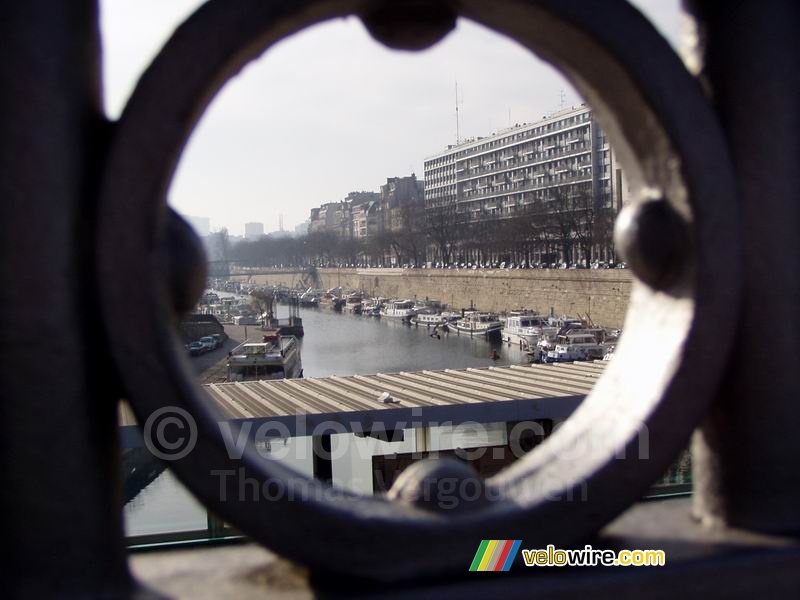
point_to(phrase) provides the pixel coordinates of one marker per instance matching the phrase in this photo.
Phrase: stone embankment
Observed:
(600, 294)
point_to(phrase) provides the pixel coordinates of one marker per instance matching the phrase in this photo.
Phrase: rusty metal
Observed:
(663, 122)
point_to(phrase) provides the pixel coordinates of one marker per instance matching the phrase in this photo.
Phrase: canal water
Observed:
(334, 344)
(343, 344)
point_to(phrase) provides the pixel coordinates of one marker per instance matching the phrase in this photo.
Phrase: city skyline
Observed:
(330, 111)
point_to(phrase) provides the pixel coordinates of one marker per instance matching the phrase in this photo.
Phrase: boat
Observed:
(353, 303)
(371, 307)
(564, 353)
(430, 319)
(399, 309)
(477, 323)
(577, 345)
(332, 302)
(275, 357)
(526, 329)
(309, 298)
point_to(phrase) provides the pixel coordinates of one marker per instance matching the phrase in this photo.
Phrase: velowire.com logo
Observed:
(495, 555)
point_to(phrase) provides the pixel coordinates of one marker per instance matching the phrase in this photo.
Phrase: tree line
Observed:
(569, 229)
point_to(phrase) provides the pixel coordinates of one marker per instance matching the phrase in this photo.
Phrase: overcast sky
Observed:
(330, 111)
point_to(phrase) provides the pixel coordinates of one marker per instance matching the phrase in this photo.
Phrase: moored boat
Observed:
(430, 319)
(477, 324)
(399, 309)
(353, 303)
(275, 357)
(331, 301)
(526, 329)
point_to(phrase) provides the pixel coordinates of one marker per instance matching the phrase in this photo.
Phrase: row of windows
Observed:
(542, 129)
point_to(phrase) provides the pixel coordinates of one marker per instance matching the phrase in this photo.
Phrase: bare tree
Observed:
(443, 230)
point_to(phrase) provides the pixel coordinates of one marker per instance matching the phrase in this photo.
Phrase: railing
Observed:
(115, 266)
(547, 183)
(534, 157)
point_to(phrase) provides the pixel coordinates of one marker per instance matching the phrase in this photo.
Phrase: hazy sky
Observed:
(330, 111)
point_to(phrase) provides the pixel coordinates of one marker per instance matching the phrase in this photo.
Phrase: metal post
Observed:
(60, 500)
(748, 453)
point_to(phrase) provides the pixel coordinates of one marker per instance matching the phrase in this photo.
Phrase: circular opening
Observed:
(629, 102)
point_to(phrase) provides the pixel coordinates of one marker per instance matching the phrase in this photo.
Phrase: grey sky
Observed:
(330, 111)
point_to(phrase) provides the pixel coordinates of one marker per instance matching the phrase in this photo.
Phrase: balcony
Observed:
(534, 158)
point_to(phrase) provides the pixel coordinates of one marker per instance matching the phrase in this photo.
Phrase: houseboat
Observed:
(430, 319)
(331, 302)
(526, 330)
(353, 303)
(275, 357)
(372, 307)
(476, 324)
(399, 309)
(577, 346)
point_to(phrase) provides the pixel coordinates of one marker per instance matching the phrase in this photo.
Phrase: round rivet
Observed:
(653, 239)
(442, 485)
(186, 265)
(409, 24)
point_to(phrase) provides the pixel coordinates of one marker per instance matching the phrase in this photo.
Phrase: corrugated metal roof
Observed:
(490, 394)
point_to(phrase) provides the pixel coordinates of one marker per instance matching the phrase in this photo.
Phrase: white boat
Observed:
(526, 330)
(399, 309)
(371, 307)
(577, 346)
(275, 357)
(563, 353)
(477, 323)
(430, 319)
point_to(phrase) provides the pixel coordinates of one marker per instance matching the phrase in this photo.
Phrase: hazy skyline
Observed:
(330, 111)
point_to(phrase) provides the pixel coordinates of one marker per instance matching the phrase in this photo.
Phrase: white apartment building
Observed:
(500, 175)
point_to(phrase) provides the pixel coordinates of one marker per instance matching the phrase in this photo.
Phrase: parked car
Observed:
(196, 349)
(218, 339)
(208, 342)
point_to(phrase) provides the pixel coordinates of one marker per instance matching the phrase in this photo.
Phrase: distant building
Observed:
(253, 231)
(302, 229)
(400, 197)
(528, 167)
(201, 225)
(366, 219)
(338, 217)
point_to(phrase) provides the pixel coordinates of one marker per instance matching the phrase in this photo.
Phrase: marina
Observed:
(407, 354)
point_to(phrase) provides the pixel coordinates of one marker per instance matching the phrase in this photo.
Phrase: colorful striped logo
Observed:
(495, 555)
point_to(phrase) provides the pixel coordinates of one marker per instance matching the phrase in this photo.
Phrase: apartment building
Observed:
(499, 175)
(355, 216)
(399, 196)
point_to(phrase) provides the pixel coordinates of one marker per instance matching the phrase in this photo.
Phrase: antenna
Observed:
(280, 222)
(458, 132)
(562, 99)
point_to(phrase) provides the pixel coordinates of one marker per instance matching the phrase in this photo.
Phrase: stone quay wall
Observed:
(600, 294)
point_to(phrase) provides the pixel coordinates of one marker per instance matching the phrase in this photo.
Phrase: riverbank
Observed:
(602, 295)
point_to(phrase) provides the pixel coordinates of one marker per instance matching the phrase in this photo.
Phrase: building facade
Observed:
(253, 231)
(399, 195)
(534, 168)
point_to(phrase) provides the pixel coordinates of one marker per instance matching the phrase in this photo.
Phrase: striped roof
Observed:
(483, 395)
